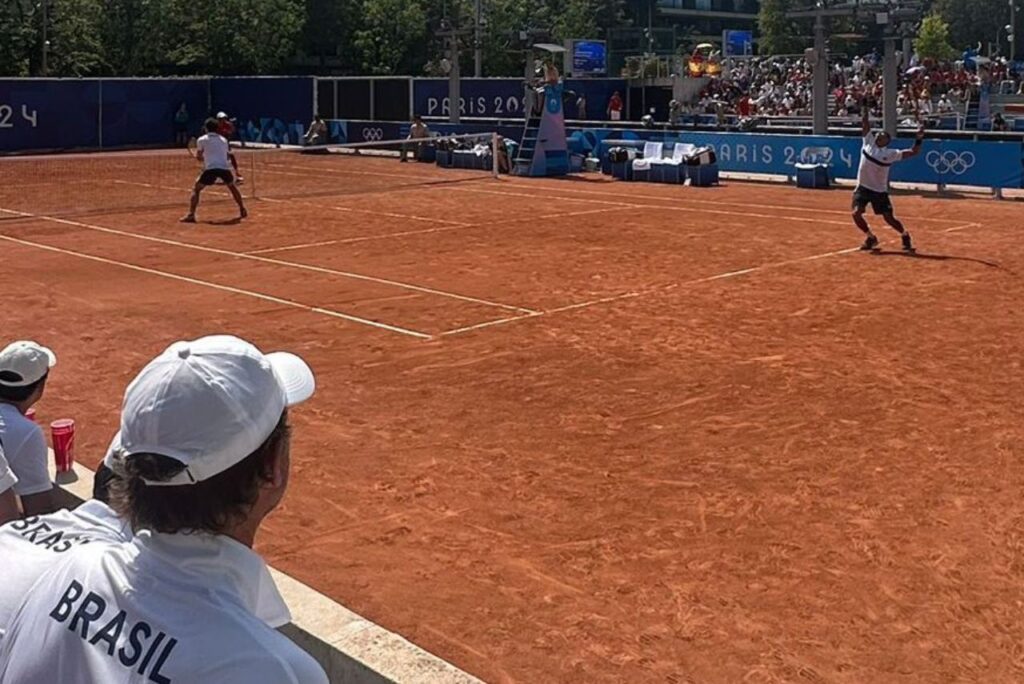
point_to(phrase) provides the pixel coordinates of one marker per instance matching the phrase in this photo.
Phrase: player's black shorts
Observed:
(879, 201)
(211, 176)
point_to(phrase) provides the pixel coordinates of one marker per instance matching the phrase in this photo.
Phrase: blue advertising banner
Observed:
(503, 97)
(949, 162)
(141, 111)
(48, 114)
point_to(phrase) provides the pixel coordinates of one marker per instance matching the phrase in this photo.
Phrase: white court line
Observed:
(277, 262)
(802, 219)
(425, 231)
(272, 200)
(635, 294)
(965, 226)
(216, 286)
(605, 193)
(729, 204)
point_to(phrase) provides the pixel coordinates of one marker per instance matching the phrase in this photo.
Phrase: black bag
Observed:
(703, 156)
(618, 155)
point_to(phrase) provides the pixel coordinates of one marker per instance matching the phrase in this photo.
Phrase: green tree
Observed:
(76, 48)
(933, 39)
(390, 31)
(974, 21)
(779, 35)
(19, 37)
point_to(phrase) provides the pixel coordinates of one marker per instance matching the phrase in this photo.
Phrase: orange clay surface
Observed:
(582, 430)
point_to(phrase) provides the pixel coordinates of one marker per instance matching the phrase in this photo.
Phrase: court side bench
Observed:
(658, 162)
(350, 648)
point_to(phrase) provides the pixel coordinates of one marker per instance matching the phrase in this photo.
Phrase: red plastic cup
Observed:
(31, 414)
(63, 433)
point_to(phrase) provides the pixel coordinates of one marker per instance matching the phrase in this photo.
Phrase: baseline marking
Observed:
(216, 286)
(728, 204)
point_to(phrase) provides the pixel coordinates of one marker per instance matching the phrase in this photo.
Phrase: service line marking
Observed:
(427, 231)
(216, 286)
(642, 293)
(278, 262)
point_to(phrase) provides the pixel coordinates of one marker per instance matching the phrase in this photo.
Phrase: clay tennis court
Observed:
(580, 430)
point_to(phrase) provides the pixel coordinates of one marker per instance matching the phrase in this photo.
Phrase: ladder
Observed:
(524, 157)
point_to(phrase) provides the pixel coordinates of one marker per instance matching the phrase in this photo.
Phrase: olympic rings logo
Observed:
(949, 161)
(373, 134)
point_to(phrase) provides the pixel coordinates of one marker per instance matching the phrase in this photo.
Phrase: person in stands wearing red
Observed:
(226, 129)
(615, 107)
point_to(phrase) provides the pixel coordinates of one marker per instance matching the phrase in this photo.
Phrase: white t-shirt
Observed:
(32, 546)
(25, 448)
(873, 173)
(215, 151)
(7, 477)
(162, 608)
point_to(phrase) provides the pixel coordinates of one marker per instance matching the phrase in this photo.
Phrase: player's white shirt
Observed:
(7, 477)
(25, 449)
(162, 608)
(215, 150)
(31, 546)
(873, 173)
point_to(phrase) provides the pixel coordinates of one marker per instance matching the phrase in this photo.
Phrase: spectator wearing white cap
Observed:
(24, 369)
(204, 456)
(8, 499)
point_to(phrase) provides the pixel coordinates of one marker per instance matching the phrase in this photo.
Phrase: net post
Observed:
(252, 173)
(494, 155)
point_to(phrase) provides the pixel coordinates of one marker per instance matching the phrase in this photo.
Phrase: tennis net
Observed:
(112, 182)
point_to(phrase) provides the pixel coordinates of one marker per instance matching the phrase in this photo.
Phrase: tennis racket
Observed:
(192, 147)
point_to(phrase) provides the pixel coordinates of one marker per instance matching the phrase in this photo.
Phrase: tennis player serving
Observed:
(212, 151)
(876, 157)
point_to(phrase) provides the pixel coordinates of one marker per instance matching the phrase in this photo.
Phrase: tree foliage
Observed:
(153, 37)
(974, 21)
(933, 39)
(779, 35)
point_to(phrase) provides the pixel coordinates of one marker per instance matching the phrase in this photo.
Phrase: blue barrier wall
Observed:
(52, 114)
(45, 114)
(949, 162)
(503, 97)
(272, 109)
(141, 112)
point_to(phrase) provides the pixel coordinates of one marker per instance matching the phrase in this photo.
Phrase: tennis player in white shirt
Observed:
(214, 152)
(876, 158)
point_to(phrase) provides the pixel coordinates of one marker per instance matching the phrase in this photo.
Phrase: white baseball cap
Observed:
(221, 115)
(23, 363)
(209, 404)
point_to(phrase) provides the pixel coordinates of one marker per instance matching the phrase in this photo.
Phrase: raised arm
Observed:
(918, 140)
(865, 117)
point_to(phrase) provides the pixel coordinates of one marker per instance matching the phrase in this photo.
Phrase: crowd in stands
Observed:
(154, 579)
(783, 87)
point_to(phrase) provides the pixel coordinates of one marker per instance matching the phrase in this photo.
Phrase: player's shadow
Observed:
(938, 257)
(224, 222)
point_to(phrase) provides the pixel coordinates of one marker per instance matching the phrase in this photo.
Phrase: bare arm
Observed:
(8, 507)
(865, 117)
(916, 149)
